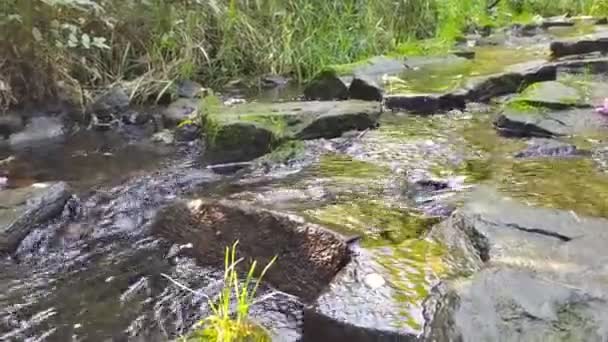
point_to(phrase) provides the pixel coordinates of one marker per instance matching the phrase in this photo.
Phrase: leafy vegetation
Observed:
(73, 46)
(230, 319)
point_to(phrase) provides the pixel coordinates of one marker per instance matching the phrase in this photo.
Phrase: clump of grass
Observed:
(230, 321)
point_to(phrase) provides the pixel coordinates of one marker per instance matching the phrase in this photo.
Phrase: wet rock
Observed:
(38, 130)
(549, 124)
(334, 83)
(180, 110)
(187, 132)
(9, 124)
(365, 88)
(424, 103)
(244, 132)
(112, 102)
(326, 86)
(578, 47)
(189, 89)
(24, 208)
(542, 278)
(552, 94)
(308, 255)
(549, 148)
(165, 136)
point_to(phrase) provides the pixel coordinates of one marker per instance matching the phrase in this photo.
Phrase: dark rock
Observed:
(521, 125)
(424, 103)
(24, 208)
(326, 86)
(483, 89)
(112, 102)
(38, 130)
(308, 256)
(189, 89)
(542, 280)
(334, 83)
(468, 54)
(578, 47)
(245, 132)
(602, 21)
(9, 124)
(179, 111)
(187, 132)
(365, 88)
(549, 148)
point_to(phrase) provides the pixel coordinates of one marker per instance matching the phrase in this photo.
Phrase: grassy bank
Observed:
(50, 46)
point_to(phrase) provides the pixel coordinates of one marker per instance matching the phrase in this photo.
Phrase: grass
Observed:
(72, 47)
(230, 321)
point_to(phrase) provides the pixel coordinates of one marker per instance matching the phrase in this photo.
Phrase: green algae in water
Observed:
(415, 126)
(568, 183)
(413, 267)
(444, 77)
(287, 151)
(344, 167)
(379, 223)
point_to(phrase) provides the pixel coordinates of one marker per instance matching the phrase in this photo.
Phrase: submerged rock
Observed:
(549, 148)
(542, 277)
(308, 256)
(39, 129)
(245, 132)
(24, 208)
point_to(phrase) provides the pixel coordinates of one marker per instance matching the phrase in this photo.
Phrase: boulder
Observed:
(542, 279)
(111, 102)
(273, 81)
(245, 132)
(38, 130)
(308, 256)
(187, 132)
(23, 209)
(328, 85)
(179, 111)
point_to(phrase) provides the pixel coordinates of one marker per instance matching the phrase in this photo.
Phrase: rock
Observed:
(308, 256)
(542, 278)
(365, 88)
(38, 130)
(552, 94)
(549, 148)
(578, 47)
(424, 103)
(10, 124)
(326, 86)
(112, 102)
(334, 82)
(245, 132)
(21, 210)
(187, 132)
(180, 110)
(165, 136)
(513, 123)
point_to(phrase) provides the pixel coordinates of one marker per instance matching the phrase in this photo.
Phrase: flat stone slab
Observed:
(24, 208)
(553, 94)
(549, 148)
(550, 124)
(248, 131)
(578, 46)
(543, 277)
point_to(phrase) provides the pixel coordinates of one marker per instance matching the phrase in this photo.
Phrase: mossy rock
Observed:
(553, 95)
(248, 131)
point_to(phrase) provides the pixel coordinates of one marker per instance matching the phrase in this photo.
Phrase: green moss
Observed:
(413, 267)
(274, 123)
(286, 151)
(233, 332)
(379, 223)
(341, 166)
